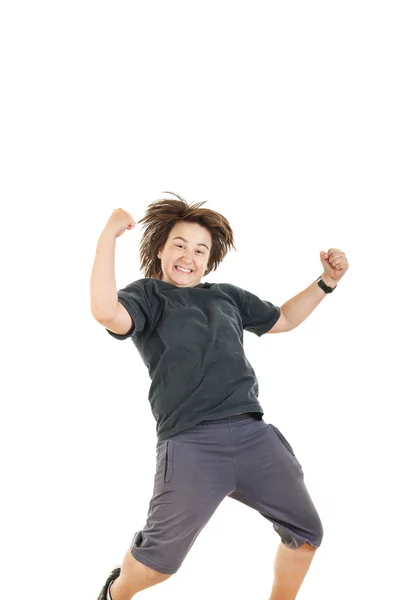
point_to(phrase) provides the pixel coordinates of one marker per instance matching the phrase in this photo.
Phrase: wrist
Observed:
(328, 281)
(108, 234)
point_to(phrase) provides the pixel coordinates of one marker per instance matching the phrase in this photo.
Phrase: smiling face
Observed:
(188, 246)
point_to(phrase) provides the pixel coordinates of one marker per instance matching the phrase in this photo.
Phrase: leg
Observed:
(291, 566)
(134, 577)
(270, 480)
(190, 483)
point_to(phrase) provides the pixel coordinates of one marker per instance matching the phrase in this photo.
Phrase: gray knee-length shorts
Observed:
(239, 456)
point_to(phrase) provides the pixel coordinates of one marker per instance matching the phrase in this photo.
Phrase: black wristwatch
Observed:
(325, 287)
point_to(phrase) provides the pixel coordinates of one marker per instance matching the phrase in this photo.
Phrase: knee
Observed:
(135, 577)
(316, 537)
(308, 547)
(136, 569)
(156, 576)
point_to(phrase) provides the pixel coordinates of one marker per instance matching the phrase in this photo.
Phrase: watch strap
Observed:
(327, 289)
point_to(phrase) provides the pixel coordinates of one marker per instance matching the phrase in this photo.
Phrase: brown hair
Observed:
(160, 218)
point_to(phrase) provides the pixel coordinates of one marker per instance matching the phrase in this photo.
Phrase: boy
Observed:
(212, 441)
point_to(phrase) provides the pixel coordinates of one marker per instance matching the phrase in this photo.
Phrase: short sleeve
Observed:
(258, 316)
(135, 299)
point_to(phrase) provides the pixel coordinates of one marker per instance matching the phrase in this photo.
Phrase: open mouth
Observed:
(184, 272)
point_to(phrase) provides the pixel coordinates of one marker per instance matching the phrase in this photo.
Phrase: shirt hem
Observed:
(217, 415)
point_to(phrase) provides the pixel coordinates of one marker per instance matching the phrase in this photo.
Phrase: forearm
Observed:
(103, 288)
(298, 308)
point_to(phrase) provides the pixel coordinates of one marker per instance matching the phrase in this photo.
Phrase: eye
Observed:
(181, 246)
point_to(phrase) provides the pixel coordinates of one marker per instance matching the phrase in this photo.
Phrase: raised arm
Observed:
(298, 308)
(104, 303)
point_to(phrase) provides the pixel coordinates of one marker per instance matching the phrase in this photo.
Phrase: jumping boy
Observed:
(212, 441)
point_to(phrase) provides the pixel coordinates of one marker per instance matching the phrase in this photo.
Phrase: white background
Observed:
(285, 117)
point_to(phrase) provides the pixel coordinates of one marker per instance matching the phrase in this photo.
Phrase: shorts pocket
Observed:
(169, 461)
(137, 540)
(283, 440)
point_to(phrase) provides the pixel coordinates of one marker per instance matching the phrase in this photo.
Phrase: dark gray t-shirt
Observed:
(191, 340)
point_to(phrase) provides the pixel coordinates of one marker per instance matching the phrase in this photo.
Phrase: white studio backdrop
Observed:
(284, 116)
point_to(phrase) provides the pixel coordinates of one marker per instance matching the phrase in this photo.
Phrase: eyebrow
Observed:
(183, 239)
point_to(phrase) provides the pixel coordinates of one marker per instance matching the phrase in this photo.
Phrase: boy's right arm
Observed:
(104, 303)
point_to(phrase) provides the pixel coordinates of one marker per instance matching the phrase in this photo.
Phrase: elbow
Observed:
(104, 316)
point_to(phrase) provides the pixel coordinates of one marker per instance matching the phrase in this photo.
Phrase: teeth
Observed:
(183, 270)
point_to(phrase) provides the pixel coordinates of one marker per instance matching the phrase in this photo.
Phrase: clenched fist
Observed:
(335, 264)
(119, 222)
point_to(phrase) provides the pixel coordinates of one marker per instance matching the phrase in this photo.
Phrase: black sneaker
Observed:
(104, 594)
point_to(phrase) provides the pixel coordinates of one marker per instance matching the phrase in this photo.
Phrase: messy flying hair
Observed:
(160, 218)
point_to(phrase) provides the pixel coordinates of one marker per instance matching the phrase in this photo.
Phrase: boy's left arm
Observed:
(298, 308)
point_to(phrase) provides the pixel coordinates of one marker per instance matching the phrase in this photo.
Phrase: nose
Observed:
(185, 252)
(186, 258)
